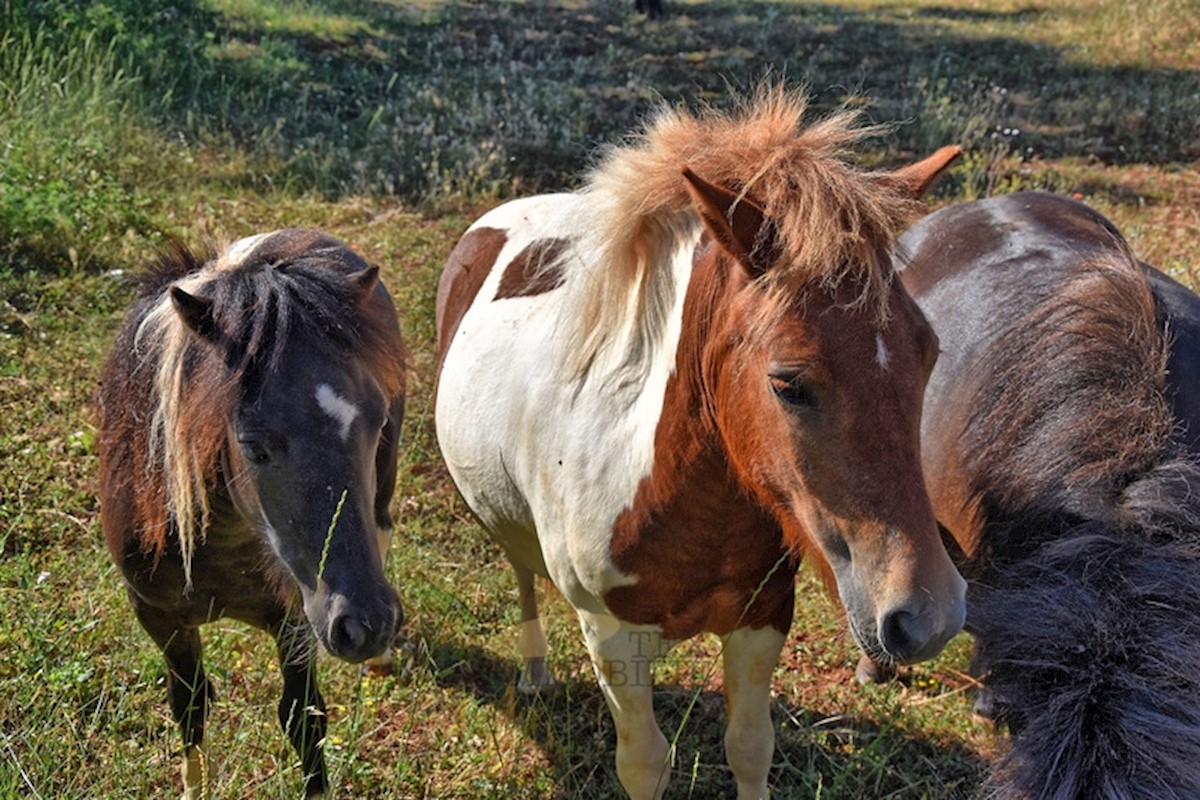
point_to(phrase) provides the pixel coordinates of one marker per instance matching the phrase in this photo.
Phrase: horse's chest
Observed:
(232, 574)
(703, 563)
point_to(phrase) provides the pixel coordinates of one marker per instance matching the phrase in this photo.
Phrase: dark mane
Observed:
(1086, 593)
(1065, 434)
(281, 286)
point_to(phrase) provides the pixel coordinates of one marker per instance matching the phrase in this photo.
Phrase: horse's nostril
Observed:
(348, 634)
(903, 634)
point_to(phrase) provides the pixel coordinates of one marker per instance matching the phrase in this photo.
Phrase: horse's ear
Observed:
(363, 282)
(734, 221)
(915, 179)
(196, 312)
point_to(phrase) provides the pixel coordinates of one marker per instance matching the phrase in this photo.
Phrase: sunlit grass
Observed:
(292, 17)
(393, 125)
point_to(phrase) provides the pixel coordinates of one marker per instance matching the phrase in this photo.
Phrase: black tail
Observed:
(1090, 647)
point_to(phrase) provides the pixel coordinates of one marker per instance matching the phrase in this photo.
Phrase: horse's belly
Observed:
(515, 457)
(545, 471)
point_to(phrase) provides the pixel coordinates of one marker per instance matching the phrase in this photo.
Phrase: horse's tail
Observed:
(1090, 647)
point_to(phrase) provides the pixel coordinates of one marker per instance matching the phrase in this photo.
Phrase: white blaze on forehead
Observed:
(339, 408)
(881, 352)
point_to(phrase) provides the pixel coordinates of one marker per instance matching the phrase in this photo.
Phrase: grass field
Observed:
(392, 124)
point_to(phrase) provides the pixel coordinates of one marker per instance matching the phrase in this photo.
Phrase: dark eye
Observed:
(255, 450)
(793, 390)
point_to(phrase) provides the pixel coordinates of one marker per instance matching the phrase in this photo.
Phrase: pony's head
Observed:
(282, 372)
(815, 367)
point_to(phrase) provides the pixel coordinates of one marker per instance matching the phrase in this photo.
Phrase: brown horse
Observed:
(250, 413)
(663, 389)
(1061, 445)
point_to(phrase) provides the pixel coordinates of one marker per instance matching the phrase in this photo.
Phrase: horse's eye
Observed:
(255, 451)
(793, 390)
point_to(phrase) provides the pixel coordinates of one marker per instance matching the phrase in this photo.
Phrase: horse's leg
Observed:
(622, 655)
(302, 709)
(531, 641)
(188, 692)
(750, 657)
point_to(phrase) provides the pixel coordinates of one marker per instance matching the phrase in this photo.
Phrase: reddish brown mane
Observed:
(831, 221)
(175, 394)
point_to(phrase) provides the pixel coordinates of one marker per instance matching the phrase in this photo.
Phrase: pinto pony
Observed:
(1061, 445)
(663, 389)
(250, 414)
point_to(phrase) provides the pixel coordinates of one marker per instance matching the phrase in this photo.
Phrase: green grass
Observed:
(392, 125)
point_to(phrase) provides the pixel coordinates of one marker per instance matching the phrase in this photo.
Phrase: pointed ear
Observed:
(733, 220)
(915, 179)
(196, 312)
(362, 283)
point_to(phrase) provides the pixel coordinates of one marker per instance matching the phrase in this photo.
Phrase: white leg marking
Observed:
(531, 639)
(622, 662)
(339, 408)
(881, 351)
(750, 657)
(194, 769)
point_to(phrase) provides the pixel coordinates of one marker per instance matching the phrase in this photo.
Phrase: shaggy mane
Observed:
(831, 220)
(1086, 598)
(262, 295)
(1072, 427)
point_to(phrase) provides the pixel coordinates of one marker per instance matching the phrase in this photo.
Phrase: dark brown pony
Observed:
(250, 412)
(1061, 446)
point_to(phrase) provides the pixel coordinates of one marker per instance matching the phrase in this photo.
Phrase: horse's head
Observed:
(817, 396)
(310, 453)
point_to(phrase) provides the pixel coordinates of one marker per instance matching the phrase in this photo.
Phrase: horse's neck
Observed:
(689, 450)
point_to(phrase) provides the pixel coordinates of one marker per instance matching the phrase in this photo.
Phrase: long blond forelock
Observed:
(180, 453)
(831, 220)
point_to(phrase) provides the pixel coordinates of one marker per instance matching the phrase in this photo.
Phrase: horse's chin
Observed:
(869, 644)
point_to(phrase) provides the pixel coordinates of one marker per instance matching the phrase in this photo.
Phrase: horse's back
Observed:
(1051, 413)
(1033, 296)
(961, 260)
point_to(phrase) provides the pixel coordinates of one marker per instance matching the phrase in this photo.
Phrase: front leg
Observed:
(302, 709)
(750, 657)
(621, 656)
(189, 692)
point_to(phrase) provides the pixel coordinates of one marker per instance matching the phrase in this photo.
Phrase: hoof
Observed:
(870, 671)
(535, 677)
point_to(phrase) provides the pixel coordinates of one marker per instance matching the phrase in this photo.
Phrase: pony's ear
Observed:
(915, 179)
(196, 312)
(362, 283)
(733, 220)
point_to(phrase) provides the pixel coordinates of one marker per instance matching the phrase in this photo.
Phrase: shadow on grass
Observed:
(469, 96)
(840, 757)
